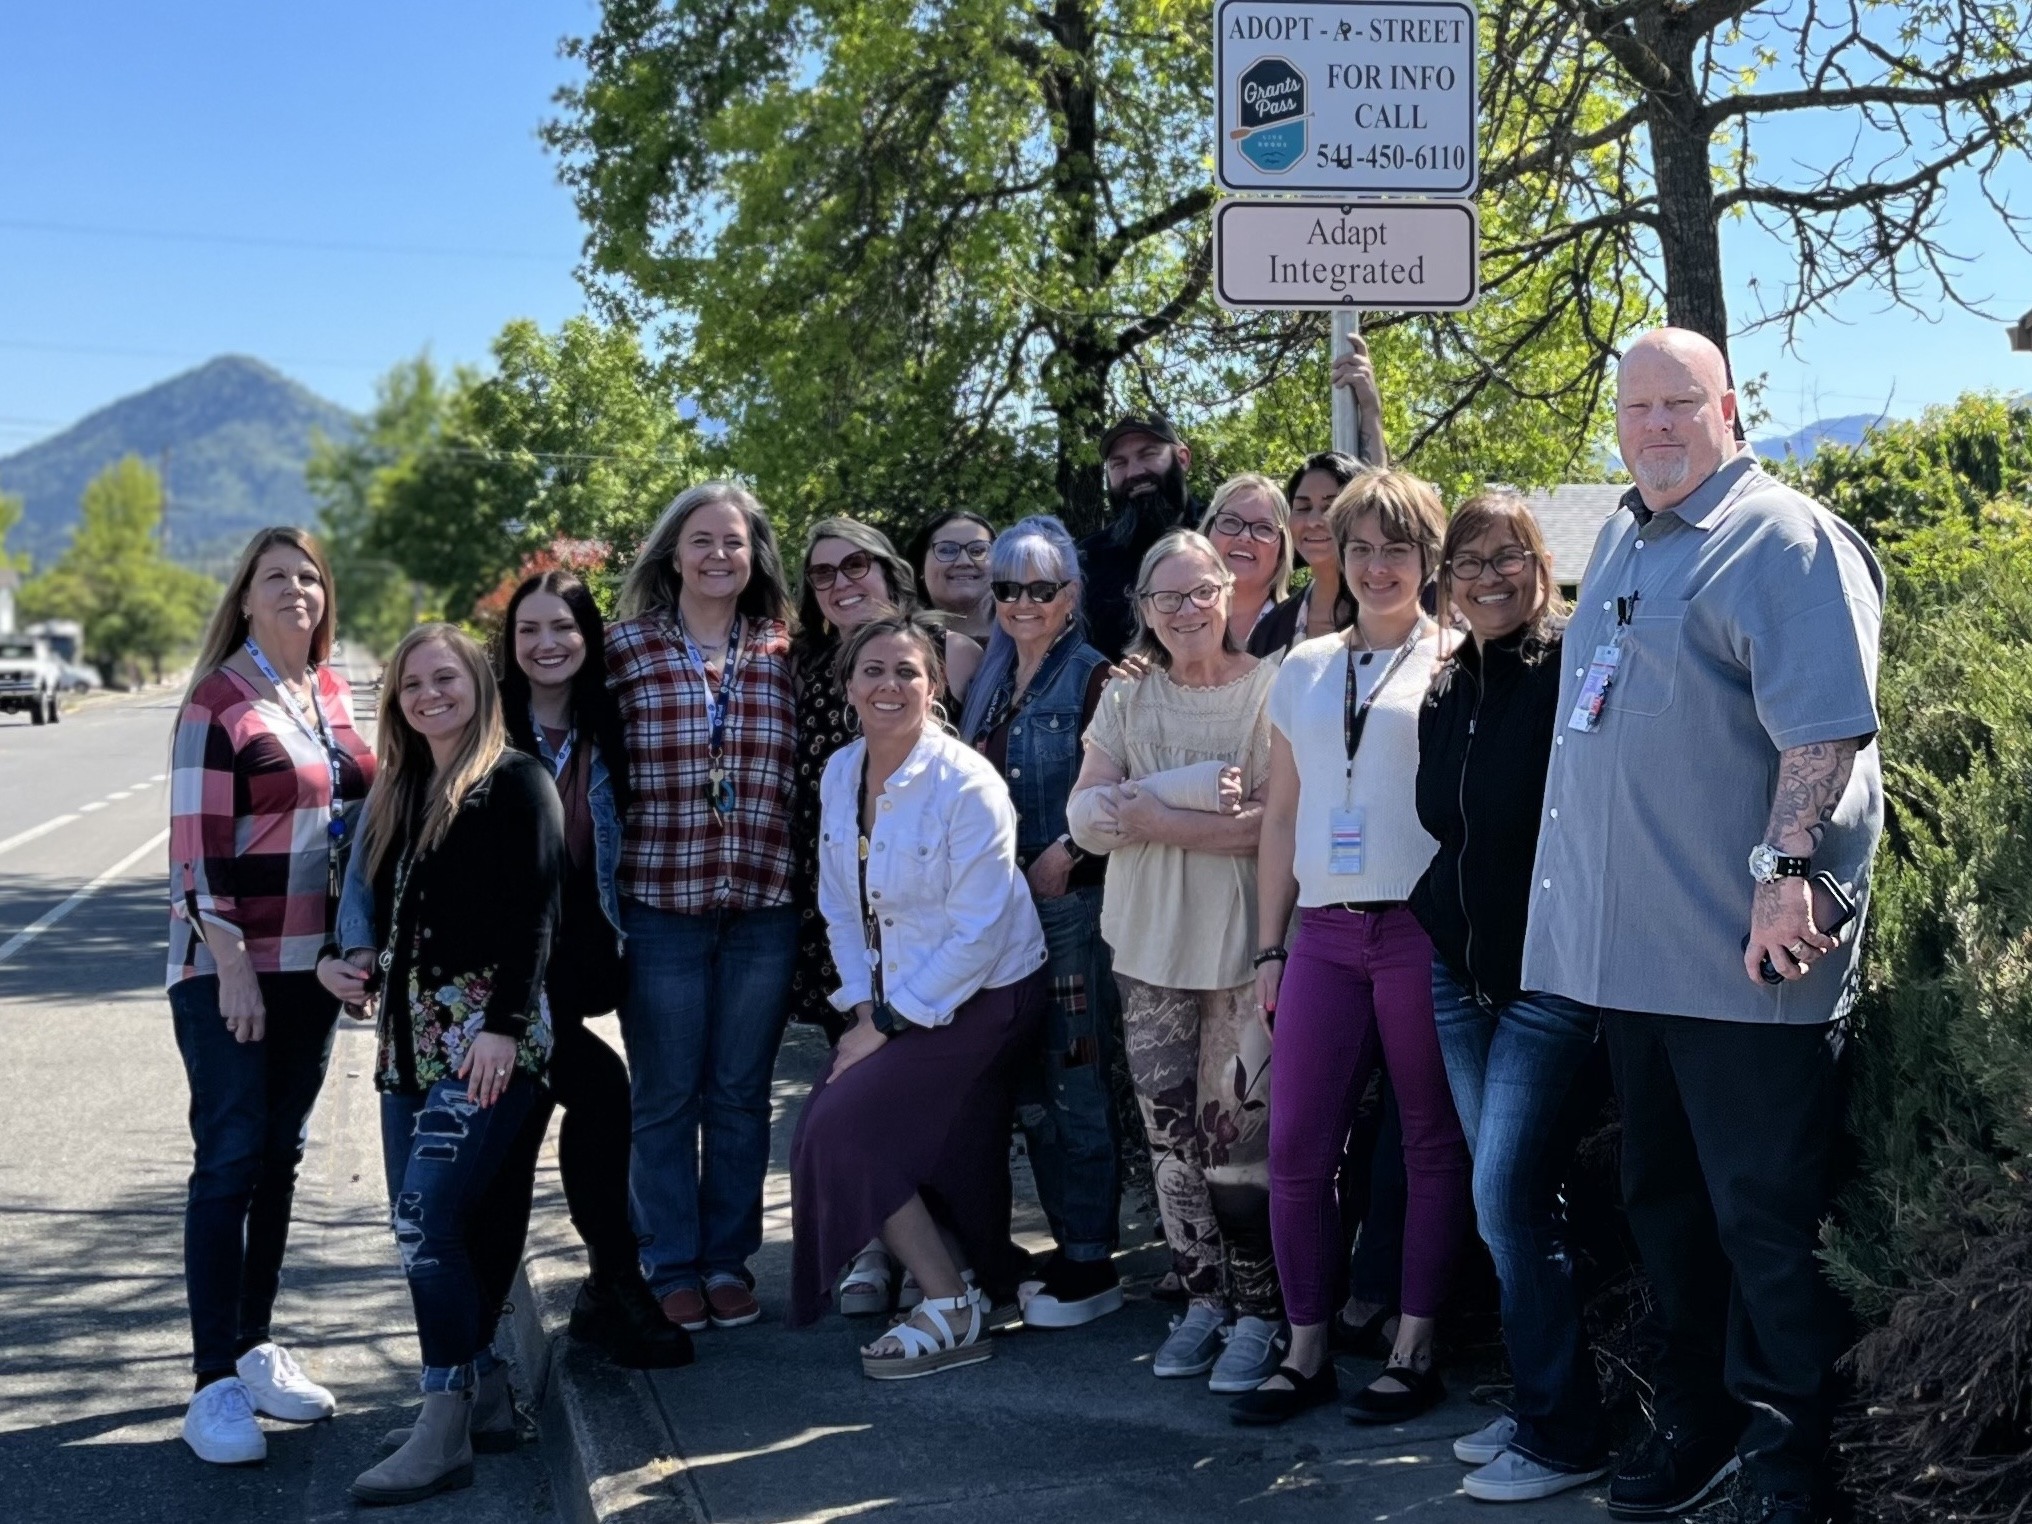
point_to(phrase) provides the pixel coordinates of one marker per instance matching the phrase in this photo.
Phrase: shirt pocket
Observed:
(1054, 736)
(1646, 675)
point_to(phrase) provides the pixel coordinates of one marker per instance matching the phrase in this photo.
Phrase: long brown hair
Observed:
(407, 782)
(1503, 508)
(227, 631)
(897, 577)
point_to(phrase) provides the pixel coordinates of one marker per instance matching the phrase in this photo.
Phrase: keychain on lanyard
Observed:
(319, 731)
(719, 787)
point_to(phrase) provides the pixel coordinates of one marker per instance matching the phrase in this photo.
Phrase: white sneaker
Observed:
(1514, 1478)
(1255, 1349)
(219, 1426)
(277, 1386)
(1486, 1443)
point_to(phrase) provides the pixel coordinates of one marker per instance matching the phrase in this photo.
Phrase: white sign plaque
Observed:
(1394, 256)
(1334, 97)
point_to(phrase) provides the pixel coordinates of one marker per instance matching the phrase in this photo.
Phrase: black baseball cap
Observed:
(1156, 425)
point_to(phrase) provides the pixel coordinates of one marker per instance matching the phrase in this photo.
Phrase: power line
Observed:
(268, 241)
(185, 358)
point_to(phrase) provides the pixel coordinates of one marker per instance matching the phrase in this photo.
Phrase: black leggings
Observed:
(588, 1079)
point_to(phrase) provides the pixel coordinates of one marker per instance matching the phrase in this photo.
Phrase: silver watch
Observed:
(1768, 864)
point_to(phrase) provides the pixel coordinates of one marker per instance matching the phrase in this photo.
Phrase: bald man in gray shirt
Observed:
(1717, 714)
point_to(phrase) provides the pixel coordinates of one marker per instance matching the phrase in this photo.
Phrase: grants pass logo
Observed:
(1271, 107)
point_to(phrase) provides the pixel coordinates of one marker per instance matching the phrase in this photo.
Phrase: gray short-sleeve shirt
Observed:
(1753, 629)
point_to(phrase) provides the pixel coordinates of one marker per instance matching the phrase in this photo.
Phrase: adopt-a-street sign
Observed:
(1395, 256)
(1355, 97)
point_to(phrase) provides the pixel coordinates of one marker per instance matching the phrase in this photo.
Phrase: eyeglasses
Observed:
(1508, 561)
(1393, 553)
(1233, 524)
(1040, 592)
(853, 567)
(1205, 596)
(950, 551)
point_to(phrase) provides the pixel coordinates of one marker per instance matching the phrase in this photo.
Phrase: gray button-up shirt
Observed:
(1754, 630)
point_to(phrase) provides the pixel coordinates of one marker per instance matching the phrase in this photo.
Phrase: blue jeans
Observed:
(1512, 1068)
(1063, 1101)
(441, 1152)
(250, 1107)
(707, 999)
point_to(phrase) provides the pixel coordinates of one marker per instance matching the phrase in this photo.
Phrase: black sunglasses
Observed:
(1040, 592)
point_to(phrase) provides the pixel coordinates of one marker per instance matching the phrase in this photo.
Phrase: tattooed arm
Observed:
(1811, 780)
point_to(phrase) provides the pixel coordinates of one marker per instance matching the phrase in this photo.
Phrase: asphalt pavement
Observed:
(94, 1151)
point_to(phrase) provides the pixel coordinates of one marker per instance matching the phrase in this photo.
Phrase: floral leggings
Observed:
(1202, 1071)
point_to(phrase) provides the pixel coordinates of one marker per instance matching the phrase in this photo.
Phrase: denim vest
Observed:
(1044, 745)
(606, 825)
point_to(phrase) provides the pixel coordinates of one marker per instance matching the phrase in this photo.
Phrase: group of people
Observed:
(1010, 812)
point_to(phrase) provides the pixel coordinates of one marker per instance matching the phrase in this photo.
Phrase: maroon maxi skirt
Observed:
(929, 1112)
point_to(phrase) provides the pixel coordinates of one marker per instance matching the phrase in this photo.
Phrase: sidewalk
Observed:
(780, 1426)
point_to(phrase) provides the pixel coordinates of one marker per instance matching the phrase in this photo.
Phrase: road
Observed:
(94, 1340)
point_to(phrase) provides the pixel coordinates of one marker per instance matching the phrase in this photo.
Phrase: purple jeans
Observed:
(1358, 989)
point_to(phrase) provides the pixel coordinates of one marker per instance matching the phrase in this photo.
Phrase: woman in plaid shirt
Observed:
(699, 662)
(265, 766)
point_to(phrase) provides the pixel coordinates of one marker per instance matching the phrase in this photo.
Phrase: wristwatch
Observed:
(1072, 849)
(889, 1021)
(1768, 864)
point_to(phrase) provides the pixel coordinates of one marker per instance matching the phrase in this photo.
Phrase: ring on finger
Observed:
(1798, 951)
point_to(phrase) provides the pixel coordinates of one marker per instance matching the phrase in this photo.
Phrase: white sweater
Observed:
(1308, 708)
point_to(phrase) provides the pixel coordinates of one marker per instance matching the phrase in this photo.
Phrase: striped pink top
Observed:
(249, 811)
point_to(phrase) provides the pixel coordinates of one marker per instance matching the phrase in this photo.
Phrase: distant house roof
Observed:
(1570, 516)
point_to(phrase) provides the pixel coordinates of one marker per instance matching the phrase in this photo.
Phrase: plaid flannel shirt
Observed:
(674, 854)
(249, 822)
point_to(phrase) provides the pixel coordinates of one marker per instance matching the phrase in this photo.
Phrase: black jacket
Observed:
(1109, 568)
(481, 906)
(1484, 741)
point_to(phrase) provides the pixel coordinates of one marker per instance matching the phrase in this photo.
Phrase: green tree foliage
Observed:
(573, 435)
(913, 255)
(136, 606)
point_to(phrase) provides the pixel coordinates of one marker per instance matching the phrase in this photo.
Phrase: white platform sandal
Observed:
(865, 1292)
(925, 1352)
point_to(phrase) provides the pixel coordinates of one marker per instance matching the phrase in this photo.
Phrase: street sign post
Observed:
(1403, 256)
(1346, 97)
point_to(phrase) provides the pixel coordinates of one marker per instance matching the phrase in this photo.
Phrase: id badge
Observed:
(1594, 690)
(1344, 844)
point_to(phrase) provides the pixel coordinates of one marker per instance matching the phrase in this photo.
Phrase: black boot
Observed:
(1670, 1473)
(619, 1314)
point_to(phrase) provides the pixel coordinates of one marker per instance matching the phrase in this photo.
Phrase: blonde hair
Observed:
(1144, 641)
(227, 631)
(407, 782)
(1280, 508)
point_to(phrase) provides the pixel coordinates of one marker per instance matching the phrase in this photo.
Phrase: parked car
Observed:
(80, 679)
(31, 679)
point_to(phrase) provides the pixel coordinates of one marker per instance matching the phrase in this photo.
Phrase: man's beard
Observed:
(1142, 515)
(1661, 477)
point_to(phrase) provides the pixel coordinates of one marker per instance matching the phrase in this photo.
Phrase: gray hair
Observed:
(1036, 548)
(1144, 641)
(653, 582)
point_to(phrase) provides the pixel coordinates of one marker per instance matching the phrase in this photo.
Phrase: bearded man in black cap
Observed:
(1145, 462)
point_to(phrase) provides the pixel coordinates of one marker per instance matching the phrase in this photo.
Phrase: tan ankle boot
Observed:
(437, 1458)
(496, 1430)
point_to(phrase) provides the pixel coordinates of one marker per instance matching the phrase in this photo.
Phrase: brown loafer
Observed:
(732, 1304)
(686, 1307)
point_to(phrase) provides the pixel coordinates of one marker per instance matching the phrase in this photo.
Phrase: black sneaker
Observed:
(1670, 1474)
(621, 1316)
(1072, 1292)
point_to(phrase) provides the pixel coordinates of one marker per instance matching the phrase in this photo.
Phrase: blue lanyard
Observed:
(717, 704)
(318, 730)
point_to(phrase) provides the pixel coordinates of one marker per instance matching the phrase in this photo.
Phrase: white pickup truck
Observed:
(31, 679)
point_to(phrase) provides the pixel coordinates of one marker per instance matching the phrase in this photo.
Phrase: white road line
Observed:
(96, 804)
(33, 832)
(122, 794)
(159, 778)
(49, 918)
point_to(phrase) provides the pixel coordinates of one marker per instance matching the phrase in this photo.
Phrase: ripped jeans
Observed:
(441, 1152)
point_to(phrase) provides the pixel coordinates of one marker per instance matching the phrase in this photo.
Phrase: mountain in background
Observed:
(231, 438)
(1803, 442)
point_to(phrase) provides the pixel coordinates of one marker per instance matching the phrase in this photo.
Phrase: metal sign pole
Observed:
(1347, 417)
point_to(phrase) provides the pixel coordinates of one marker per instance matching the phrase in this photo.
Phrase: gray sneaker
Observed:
(1255, 1349)
(1194, 1345)
(1486, 1443)
(1514, 1478)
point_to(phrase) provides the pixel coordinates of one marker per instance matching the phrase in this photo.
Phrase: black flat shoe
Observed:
(1366, 1340)
(1269, 1404)
(1423, 1391)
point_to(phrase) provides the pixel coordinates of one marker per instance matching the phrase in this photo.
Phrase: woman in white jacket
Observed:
(941, 963)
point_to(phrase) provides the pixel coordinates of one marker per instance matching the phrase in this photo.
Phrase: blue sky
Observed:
(335, 188)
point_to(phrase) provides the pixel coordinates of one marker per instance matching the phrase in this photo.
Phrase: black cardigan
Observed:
(486, 899)
(1484, 742)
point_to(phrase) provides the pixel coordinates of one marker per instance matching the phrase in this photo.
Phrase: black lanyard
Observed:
(871, 924)
(1355, 716)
